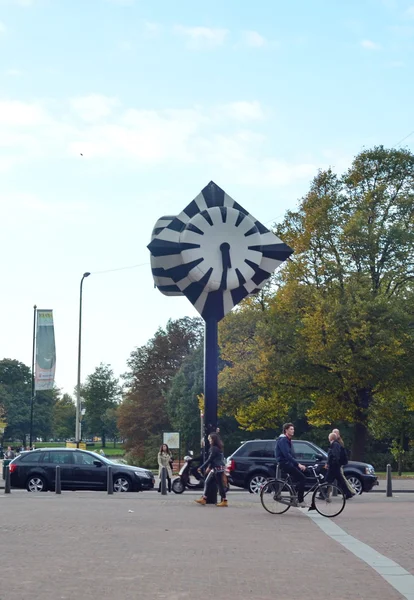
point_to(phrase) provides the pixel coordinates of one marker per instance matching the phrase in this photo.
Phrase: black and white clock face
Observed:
(214, 253)
(224, 237)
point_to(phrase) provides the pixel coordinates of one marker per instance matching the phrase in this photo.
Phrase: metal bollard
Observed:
(389, 482)
(58, 485)
(164, 481)
(109, 482)
(7, 481)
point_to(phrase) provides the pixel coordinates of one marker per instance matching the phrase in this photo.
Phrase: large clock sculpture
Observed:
(215, 253)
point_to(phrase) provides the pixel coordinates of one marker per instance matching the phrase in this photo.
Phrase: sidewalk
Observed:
(114, 545)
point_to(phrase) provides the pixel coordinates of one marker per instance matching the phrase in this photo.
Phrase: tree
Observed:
(15, 393)
(101, 395)
(64, 416)
(392, 417)
(182, 403)
(143, 412)
(341, 325)
(15, 399)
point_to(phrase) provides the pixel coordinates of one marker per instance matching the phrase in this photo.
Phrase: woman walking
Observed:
(164, 460)
(344, 461)
(215, 470)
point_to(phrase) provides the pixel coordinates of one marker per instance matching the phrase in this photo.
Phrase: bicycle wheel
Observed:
(329, 500)
(276, 496)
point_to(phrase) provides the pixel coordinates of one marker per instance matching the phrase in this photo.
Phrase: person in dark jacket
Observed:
(334, 466)
(345, 454)
(285, 456)
(215, 466)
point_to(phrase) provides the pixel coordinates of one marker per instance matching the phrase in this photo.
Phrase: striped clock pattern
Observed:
(175, 263)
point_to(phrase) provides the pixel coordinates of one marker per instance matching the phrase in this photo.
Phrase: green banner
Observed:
(45, 351)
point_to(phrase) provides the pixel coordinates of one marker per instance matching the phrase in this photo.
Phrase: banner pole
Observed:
(33, 377)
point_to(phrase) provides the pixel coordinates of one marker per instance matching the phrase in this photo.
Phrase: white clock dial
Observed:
(224, 236)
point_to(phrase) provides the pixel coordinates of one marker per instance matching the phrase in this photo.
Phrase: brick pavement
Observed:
(386, 524)
(90, 544)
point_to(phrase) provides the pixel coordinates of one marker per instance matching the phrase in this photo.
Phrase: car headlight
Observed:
(141, 474)
(369, 470)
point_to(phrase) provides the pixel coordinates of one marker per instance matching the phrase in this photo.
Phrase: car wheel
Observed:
(36, 483)
(356, 484)
(256, 482)
(121, 484)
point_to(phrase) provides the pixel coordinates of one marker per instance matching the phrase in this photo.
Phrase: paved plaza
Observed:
(129, 546)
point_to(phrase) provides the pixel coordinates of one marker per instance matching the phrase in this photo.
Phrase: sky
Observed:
(114, 113)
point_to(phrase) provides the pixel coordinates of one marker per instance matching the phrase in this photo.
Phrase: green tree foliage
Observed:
(182, 402)
(101, 395)
(64, 415)
(392, 417)
(339, 329)
(152, 367)
(15, 400)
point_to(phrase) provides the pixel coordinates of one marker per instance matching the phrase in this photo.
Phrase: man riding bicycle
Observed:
(285, 456)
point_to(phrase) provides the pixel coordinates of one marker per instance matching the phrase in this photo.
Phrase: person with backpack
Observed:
(343, 459)
(334, 466)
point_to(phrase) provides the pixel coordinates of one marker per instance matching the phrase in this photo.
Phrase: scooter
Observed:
(187, 472)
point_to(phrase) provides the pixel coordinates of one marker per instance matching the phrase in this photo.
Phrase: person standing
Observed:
(334, 466)
(215, 466)
(9, 454)
(164, 460)
(285, 456)
(343, 459)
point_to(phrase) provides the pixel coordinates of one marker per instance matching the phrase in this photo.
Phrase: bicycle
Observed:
(278, 495)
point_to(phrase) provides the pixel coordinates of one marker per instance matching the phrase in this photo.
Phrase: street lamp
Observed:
(78, 396)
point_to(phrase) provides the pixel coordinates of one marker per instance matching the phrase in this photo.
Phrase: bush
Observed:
(146, 456)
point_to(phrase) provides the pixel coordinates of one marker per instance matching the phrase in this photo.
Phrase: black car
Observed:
(79, 470)
(254, 463)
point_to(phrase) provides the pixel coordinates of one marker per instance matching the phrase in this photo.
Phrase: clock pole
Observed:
(210, 388)
(210, 375)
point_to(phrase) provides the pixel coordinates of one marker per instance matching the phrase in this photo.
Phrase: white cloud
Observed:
(21, 114)
(244, 111)
(2, 28)
(370, 45)
(93, 107)
(254, 39)
(199, 37)
(221, 137)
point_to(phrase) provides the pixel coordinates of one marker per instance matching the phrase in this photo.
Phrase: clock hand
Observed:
(225, 256)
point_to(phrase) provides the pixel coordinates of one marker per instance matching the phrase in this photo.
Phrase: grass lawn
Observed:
(109, 449)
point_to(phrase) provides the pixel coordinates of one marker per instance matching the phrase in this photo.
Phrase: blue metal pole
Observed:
(210, 389)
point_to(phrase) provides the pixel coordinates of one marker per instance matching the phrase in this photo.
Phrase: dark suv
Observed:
(79, 470)
(254, 463)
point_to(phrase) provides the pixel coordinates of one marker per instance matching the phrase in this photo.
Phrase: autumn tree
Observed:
(143, 412)
(341, 325)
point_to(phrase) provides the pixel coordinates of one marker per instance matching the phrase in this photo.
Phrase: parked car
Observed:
(253, 463)
(79, 470)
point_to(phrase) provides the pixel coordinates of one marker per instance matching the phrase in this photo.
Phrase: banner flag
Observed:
(45, 351)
